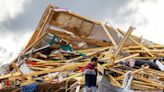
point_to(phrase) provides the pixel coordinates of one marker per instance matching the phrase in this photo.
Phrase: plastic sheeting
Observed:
(106, 86)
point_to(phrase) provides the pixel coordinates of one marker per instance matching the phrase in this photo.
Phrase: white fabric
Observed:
(127, 82)
(25, 69)
(160, 65)
(131, 62)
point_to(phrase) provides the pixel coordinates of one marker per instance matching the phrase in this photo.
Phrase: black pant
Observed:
(90, 80)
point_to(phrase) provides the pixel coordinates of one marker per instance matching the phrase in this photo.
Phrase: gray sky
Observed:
(96, 9)
(19, 18)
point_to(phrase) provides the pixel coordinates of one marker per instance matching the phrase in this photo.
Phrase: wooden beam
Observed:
(154, 72)
(117, 71)
(15, 66)
(148, 80)
(83, 39)
(138, 47)
(73, 76)
(52, 31)
(90, 49)
(35, 42)
(108, 34)
(89, 54)
(144, 83)
(38, 68)
(133, 72)
(40, 26)
(100, 68)
(143, 87)
(67, 67)
(37, 60)
(128, 57)
(142, 51)
(49, 64)
(143, 58)
(10, 75)
(122, 43)
(143, 47)
(116, 83)
(45, 21)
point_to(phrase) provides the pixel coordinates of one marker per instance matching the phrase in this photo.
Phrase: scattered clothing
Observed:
(66, 47)
(159, 64)
(152, 65)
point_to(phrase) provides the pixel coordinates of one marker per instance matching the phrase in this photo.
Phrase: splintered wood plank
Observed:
(130, 42)
(122, 43)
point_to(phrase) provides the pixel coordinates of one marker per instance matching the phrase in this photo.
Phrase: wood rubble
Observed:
(63, 44)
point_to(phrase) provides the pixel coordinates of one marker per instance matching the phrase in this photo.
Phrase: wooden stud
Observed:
(109, 35)
(122, 43)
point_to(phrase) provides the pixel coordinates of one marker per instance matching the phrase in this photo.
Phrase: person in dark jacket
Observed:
(91, 75)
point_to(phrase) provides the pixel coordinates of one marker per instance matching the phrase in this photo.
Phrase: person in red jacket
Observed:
(91, 75)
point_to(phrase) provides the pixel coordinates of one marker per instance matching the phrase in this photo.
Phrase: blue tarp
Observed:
(29, 88)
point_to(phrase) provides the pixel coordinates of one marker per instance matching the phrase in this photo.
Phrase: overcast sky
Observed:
(19, 18)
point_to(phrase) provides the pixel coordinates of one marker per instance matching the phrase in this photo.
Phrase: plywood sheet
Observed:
(86, 28)
(63, 19)
(75, 22)
(99, 34)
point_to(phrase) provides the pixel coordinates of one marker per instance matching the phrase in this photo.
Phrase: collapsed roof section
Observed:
(69, 25)
(47, 52)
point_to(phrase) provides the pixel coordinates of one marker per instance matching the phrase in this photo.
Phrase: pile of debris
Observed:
(63, 44)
